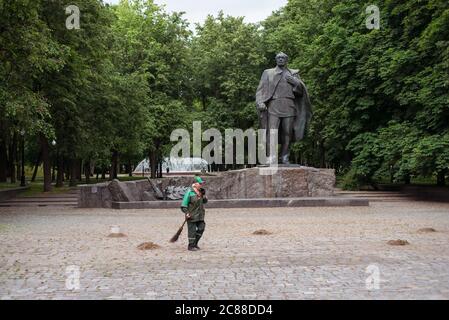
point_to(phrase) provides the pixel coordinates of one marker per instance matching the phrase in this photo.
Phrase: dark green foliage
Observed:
(380, 97)
(113, 91)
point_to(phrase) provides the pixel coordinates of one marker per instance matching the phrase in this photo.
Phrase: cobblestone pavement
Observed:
(313, 253)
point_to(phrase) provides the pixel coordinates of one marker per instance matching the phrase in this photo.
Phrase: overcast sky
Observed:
(197, 10)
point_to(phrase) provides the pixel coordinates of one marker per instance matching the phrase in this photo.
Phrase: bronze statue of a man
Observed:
(283, 103)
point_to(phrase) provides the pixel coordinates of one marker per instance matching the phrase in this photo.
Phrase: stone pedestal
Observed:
(281, 182)
(253, 183)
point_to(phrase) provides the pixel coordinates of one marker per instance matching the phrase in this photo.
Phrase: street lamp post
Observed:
(22, 177)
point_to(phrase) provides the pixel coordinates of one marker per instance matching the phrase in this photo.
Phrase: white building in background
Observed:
(175, 165)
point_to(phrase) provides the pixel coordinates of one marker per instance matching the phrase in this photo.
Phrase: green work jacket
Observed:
(194, 205)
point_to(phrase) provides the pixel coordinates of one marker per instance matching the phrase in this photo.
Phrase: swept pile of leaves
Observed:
(261, 232)
(148, 246)
(398, 242)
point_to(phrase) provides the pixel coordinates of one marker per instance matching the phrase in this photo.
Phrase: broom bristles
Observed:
(176, 236)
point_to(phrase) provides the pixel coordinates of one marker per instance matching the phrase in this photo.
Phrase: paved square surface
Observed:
(313, 253)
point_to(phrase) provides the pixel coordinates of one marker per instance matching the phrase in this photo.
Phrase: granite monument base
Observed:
(254, 183)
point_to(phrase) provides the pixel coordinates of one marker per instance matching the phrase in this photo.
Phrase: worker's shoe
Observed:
(197, 239)
(196, 244)
(192, 248)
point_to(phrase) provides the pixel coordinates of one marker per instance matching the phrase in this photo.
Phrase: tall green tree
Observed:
(365, 84)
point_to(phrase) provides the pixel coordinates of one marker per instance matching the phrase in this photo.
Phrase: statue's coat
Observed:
(267, 87)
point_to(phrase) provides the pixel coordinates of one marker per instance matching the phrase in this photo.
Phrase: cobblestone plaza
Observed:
(312, 253)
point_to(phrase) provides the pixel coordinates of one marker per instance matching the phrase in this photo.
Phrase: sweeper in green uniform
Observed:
(193, 207)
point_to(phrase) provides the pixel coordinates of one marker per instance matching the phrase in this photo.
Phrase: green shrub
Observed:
(351, 181)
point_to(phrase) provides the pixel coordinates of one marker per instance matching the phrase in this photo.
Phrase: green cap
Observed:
(199, 180)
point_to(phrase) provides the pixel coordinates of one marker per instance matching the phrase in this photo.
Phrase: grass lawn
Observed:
(8, 185)
(37, 187)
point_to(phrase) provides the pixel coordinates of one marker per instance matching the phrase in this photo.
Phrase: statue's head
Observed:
(281, 59)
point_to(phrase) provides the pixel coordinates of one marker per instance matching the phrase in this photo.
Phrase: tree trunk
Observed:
(36, 165)
(67, 168)
(79, 169)
(3, 160)
(73, 168)
(103, 173)
(441, 178)
(46, 163)
(19, 164)
(160, 168)
(87, 171)
(60, 173)
(114, 166)
(407, 179)
(322, 155)
(53, 170)
(12, 158)
(130, 169)
(153, 164)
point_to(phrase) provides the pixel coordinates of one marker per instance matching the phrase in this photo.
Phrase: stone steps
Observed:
(50, 196)
(65, 199)
(49, 200)
(375, 196)
(70, 199)
(251, 203)
(7, 204)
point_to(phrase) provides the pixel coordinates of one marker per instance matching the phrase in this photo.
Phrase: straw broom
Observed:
(176, 236)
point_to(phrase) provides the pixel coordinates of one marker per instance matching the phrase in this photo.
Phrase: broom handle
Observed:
(182, 226)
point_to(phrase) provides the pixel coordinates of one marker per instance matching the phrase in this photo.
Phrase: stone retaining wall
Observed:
(254, 183)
